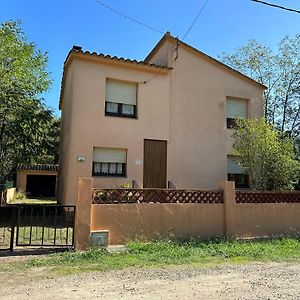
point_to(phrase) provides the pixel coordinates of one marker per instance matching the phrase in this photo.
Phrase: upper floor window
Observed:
(120, 100)
(236, 173)
(109, 162)
(236, 108)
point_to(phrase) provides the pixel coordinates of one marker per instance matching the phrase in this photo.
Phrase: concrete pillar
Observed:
(83, 214)
(228, 188)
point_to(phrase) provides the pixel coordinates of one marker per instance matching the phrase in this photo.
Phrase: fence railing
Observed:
(116, 196)
(45, 225)
(267, 197)
(36, 225)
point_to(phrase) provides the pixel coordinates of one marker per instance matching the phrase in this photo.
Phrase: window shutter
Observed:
(236, 108)
(233, 167)
(109, 155)
(120, 92)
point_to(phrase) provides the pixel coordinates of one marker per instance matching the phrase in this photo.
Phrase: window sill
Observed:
(120, 116)
(109, 176)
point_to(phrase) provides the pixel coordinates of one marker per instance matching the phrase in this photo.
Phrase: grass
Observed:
(169, 253)
(62, 236)
(4, 237)
(23, 198)
(46, 201)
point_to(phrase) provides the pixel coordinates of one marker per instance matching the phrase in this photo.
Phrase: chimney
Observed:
(77, 48)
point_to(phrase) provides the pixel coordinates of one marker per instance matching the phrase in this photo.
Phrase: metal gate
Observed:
(7, 221)
(37, 226)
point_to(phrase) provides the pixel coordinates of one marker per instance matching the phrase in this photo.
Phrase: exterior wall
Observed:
(150, 221)
(165, 55)
(22, 178)
(267, 219)
(199, 141)
(186, 107)
(63, 189)
(90, 128)
(10, 195)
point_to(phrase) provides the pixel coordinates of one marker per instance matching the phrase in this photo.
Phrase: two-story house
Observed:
(167, 118)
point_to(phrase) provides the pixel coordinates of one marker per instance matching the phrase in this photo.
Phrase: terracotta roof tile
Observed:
(37, 167)
(77, 49)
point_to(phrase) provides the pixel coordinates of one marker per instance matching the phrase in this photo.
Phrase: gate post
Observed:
(83, 214)
(14, 212)
(228, 188)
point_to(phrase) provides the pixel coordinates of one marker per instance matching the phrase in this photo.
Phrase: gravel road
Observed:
(250, 281)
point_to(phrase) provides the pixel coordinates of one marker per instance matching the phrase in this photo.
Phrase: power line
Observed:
(127, 17)
(200, 11)
(277, 6)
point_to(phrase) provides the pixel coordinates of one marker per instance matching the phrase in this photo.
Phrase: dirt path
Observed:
(251, 281)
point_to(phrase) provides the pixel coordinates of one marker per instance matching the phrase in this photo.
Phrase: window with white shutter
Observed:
(236, 108)
(236, 173)
(109, 162)
(120, 98)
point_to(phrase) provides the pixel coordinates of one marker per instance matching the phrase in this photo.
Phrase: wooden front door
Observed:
(155, 164)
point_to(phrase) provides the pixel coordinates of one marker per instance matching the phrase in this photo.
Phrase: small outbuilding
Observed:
(37, 180)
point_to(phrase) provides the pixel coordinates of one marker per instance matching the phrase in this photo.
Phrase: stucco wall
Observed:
(63, 189)
(199, 140)
(149, 221)
(185, 106)
(267, 219)
(90, 128)
(10, 195)
(126, 222)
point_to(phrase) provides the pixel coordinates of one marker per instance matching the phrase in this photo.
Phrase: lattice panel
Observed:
(109, 196)
(267, 197)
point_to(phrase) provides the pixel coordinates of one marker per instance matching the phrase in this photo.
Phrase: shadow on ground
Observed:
(22, 251)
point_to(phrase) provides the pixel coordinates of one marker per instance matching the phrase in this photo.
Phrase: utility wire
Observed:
(199, 13)
(277, 6)
(127, 17)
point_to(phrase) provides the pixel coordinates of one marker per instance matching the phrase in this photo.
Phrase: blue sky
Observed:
(56, 25)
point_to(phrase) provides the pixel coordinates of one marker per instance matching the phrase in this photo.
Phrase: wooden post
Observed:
(83, 214)
(228, 188)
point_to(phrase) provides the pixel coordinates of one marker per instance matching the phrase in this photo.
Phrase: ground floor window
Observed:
(109, 162)
(241, 180)
(236, 173)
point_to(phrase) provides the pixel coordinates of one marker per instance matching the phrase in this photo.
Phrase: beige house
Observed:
(165, 119)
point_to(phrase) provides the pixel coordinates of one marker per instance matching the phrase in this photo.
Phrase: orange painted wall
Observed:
(126, 222)
(150, 221)
(267, 219)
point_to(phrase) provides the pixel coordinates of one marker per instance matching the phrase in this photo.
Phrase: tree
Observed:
(49, 148)
(280, 72)
(265, 155)
(25, 121)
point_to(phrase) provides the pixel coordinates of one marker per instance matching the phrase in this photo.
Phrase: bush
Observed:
(266, 155)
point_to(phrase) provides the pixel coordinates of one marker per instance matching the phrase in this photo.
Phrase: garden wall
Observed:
(158, 220)
(182, 214)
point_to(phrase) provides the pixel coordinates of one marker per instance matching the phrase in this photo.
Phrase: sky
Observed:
(56, 25)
